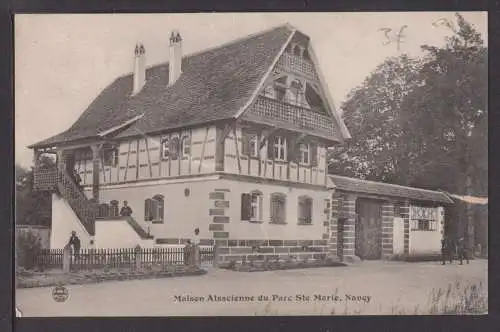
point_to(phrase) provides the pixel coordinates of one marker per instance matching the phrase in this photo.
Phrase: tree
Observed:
(378, 150)
(32, 207)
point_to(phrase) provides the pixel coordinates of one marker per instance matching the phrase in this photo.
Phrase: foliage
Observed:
(32, 208)
(421, 122)
(28, 245)
(424, 122)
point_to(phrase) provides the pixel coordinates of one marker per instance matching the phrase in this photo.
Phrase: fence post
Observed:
(66, 259)
(138, 256)
(215, 254)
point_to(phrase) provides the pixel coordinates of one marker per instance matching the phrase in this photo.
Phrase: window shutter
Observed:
(314, 155)
(291, 149)
(270, 147)
(148, 209)
(245, 144)
(174, 147)
(245, 206)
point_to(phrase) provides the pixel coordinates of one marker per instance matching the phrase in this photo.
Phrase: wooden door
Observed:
(369, 229)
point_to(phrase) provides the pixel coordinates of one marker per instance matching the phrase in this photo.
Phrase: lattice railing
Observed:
(293, 63)
(85, 209)
(302, 117)
(45, 179)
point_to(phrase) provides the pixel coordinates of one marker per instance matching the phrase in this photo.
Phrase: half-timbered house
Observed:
(231, 140)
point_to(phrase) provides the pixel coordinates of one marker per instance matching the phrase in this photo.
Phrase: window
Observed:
(423, 225)
(297, 50)
(251, 206)
(169, 148)
(305, 55)
(296, 90)
(165, 148)
(250, 145)
(305, 210)
(279, 148)
(154, 209)
(304, 153)
(186, 146)
(110, 157)
(278, 208)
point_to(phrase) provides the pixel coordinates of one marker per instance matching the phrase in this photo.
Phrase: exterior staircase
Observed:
(60, 181)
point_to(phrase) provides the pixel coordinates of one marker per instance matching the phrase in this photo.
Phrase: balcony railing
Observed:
(293, 63)
(297, 117)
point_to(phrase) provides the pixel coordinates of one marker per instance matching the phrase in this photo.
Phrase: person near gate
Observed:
(463, 251)
(77, 178)
(74, 242)
(125, 211)
(446, 250)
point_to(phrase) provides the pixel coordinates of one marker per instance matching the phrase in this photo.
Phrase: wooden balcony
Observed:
(270, 111)
(45, 179)
(295, 64)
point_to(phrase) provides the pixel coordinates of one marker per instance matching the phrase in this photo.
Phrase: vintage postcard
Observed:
(251, 164)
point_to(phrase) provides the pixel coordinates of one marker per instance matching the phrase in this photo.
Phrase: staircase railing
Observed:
(85, 209)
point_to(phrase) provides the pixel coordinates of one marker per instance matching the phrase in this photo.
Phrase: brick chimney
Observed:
(139, 67)
(175, 59)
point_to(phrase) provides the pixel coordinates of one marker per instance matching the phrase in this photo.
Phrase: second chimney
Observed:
(175, 59)
(139, 68)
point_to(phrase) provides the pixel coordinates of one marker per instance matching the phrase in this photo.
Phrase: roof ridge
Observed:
(228, 43)
(385, 183)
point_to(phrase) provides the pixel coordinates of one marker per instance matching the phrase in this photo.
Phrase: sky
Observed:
(63, 61)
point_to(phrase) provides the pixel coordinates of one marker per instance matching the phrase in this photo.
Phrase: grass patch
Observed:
(49, 278)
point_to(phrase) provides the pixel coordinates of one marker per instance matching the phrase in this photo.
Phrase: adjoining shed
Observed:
(375, 220)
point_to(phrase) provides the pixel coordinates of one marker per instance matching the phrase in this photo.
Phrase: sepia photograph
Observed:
(251, 164)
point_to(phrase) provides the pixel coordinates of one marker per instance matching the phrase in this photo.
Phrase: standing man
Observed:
(463, 251)
(446, 252)
(196, 247)
(74, 242)
(126, 211)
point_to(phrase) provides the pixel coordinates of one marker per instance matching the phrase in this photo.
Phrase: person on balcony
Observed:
(125, 211)
(77, 178)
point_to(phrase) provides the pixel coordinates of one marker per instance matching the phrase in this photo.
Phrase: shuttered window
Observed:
(154, 209)
(305, 210)
(186, 146)
(250, 146)
(278, 208)
(280, 148)
(251, 206)
(174, 148)
(314, 154)
(165, 148)
(304, 149)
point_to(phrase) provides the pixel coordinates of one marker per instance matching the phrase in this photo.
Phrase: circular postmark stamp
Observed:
(60, 293)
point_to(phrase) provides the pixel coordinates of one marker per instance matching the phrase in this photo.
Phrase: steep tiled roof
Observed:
(214, 85)
(387, 189)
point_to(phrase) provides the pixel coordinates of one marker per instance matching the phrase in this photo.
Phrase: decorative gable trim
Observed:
(266, 75)
(124, 124)
(336, 115)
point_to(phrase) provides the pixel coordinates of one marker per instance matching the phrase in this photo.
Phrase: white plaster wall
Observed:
(398, 236)
(428, 242)
(64, 220)
(239, 229)
(182, 214)
(117, 234)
